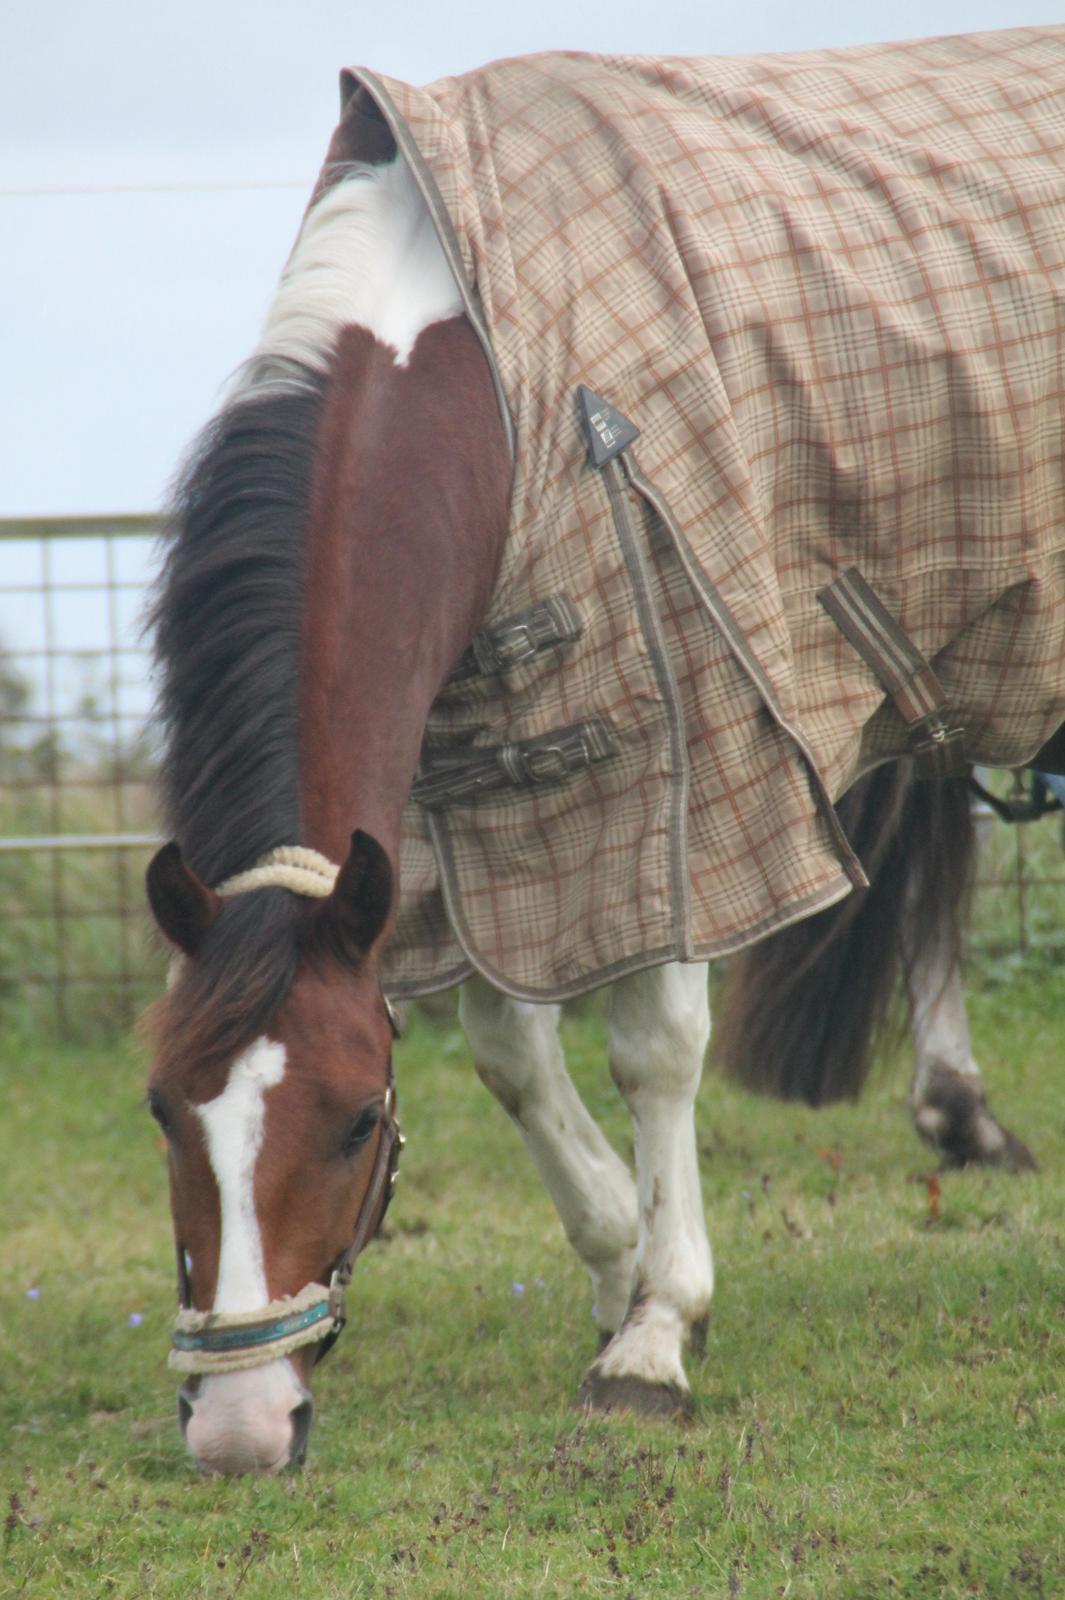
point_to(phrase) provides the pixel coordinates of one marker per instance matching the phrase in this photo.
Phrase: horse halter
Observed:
(205, 1342)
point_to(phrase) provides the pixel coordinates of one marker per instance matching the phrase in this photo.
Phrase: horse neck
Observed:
(408, 514)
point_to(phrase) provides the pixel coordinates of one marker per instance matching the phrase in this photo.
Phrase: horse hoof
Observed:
(996, 1147)
(955, 1120)
(604, 1394)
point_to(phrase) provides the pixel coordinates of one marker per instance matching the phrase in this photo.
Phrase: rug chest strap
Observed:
(906, 675)
(461, 777)
(504, 645)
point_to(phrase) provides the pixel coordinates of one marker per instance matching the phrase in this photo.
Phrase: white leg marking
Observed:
(659, 1029)
(938, 1018)
(233, 1129)
(947, 1097)
(367, 256)
(517, 1053)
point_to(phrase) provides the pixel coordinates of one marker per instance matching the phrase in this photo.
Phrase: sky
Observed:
(154, 163)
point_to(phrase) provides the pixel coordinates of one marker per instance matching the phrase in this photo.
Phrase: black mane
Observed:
(226, 620)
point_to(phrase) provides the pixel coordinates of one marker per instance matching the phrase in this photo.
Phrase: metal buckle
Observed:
(546, 762)
(515, 644)
(941, 752)
(397, 1151)
(337, 1300)
(184, 1282)
(393, 1016)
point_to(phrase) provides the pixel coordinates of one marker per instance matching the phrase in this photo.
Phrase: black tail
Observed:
(804, 1008)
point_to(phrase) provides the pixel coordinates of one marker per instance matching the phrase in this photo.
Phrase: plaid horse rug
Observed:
(753, 321)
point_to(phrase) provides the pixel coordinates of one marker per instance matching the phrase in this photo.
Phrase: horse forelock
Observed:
(231, 993)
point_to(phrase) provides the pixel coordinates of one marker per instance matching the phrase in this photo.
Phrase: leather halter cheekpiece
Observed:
(211, 1341)
(375, 1202)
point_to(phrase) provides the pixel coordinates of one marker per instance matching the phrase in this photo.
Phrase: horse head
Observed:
(277, 1102)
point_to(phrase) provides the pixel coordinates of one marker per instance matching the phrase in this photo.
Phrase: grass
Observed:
(879, 1412)
(76, 945)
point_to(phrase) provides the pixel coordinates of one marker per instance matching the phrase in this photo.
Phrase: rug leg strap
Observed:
(906, 675)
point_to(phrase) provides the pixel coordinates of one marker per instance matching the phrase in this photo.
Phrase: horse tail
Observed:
(804, 1008)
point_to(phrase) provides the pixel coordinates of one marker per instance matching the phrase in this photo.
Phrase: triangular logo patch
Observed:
(608, 433)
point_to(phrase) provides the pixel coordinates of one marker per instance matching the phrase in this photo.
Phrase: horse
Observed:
(337, 616)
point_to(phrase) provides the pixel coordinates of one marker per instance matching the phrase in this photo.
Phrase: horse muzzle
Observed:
(257, 1419)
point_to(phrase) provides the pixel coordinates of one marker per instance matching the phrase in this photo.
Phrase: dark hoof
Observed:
(955, 1120)
(601, 1393)
(1013, 1156)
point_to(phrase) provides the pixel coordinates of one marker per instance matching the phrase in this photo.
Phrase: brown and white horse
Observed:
(333, 553)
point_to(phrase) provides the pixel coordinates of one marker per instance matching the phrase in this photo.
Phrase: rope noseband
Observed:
(228, 1341)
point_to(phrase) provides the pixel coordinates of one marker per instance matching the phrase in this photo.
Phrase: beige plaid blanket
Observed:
(828, 289)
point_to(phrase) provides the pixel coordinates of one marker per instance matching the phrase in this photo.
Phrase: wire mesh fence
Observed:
(77, 822)
(76, 812)
(1019, 900)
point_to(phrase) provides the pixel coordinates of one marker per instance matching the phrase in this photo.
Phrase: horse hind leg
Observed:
(947, 1097)
(517, 1054)
(659, 1024)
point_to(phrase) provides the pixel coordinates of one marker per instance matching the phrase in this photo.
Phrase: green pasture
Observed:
(879, 1410)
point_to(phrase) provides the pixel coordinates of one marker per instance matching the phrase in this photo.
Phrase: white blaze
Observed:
(233, 1129)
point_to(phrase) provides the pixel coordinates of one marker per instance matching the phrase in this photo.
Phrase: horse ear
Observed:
(363, 133)
(183, 907)
(355, 914)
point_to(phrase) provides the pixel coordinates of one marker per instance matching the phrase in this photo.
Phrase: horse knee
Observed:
(512, 1041)
(659, 1030)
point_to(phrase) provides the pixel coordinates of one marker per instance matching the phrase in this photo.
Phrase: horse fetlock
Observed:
(954, 1118)
(612, 1287)
(640, 1369)
(646, 1350)
(697, 1335)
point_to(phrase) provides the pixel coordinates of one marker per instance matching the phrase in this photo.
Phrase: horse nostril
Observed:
(184, 1411)
(302, 1416)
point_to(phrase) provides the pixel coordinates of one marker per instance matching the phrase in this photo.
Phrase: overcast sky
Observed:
(123, 309)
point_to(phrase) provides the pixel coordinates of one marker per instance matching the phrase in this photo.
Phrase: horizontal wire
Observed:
(247, 185)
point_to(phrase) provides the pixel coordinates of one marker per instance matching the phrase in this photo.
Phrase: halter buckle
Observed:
(338, 1300)
(393, 1016)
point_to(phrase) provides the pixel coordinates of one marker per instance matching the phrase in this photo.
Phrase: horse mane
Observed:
(226, 618)
(227, 613)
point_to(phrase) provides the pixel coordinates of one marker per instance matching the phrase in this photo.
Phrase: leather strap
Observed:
(375, 1203)
(462, 777)
(903, 671)
(505, 645)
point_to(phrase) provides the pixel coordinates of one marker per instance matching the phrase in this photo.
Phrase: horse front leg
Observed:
(659, 1027)
(947, 1097)
(517, 1054)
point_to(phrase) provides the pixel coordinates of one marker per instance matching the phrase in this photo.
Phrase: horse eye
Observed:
(360, 1130)
(158, 1111)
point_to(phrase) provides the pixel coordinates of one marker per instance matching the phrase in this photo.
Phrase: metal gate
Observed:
(76, 812)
